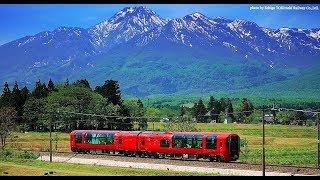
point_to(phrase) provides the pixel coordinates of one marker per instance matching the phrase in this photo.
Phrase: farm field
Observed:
(285, 145)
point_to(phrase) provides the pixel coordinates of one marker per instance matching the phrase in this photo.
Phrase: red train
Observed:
(187, 145)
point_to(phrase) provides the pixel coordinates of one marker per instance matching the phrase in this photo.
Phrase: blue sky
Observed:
(19, 20)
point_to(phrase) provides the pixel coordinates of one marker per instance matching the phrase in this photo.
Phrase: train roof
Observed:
(101, 131)
(158, 132)
(204, 133)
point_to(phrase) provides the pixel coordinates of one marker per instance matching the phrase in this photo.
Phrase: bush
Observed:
(6, 153)
(309, 123)
(9, 153)
(44, 149)
(27, 155)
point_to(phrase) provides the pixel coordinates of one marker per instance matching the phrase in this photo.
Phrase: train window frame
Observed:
(77, 136)
(110, 138)
(87, 138)
(164, 143)
(177, 141)
(197, 141)
(212, 142)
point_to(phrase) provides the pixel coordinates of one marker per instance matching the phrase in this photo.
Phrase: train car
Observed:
(186, 145)
(190, 145)
(93, 141)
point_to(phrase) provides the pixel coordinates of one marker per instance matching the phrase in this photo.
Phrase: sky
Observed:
(19, 20)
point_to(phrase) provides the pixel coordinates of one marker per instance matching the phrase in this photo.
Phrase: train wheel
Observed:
(219, 159)
(211, 159)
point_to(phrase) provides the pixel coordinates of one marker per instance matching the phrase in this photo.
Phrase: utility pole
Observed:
(50, 125)
(318, 140)
(152, 124)
(263, 143)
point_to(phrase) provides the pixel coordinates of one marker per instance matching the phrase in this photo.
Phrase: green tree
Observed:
(201, 110)
(211, 103)
(132, 106)
(285, 116)
(181, 124)
(111, 91)
(246, 108)
(40, 90)
(215, 114)
(83, 83)
(83, 100)
(17, 99)
(152, 112)
(230, 109)
(6, 98)
(67, 83)
(182, 110)
(254, 118)
(25, 94)
(51, 86)
(7, 123)
(36, 114)
(195, 110)
(223, 104)
(143, 125)
(301, 115)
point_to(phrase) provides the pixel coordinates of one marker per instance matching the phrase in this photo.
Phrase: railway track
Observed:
(196, 163)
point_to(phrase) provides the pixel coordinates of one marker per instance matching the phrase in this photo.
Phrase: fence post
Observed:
(318, 140)
(152, 124)
(50, 129)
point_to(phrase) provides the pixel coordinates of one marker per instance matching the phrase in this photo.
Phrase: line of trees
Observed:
(216, 109)
(32, 110)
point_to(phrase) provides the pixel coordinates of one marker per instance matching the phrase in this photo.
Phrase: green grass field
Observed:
(19, 167)
(286, 145)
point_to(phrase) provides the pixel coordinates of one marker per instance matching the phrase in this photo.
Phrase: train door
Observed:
(233, 144)
(119, 141)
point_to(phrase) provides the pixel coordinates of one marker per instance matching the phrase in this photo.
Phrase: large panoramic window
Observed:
(187, 141)
(99, 138)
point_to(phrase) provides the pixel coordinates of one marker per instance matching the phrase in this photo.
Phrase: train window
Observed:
(177, 141)
(87, 138)
(188, 141)
(211, 142)
(78, 137)
(102, 138)
(142, 142)
(197, 141)
(120, 141)
(110, 138)
(94, 138)
(164, 143)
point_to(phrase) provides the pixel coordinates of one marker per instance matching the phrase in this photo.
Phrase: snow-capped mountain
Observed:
(58, 47)
(137, 36)
(238, 36)
(125, 25)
